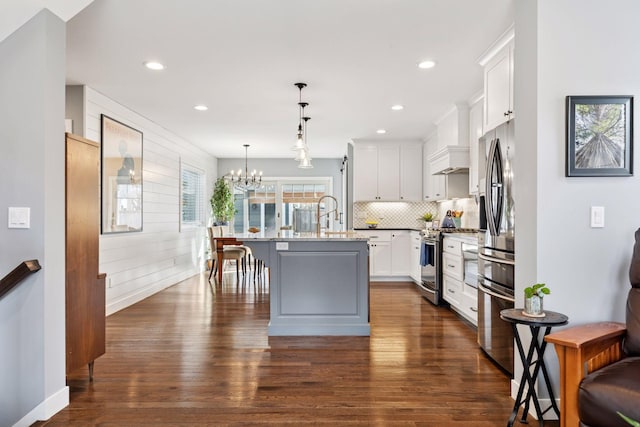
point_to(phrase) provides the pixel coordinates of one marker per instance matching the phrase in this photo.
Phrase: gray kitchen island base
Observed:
(318, 286)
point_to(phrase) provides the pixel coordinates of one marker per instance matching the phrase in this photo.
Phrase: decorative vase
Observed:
(457, 221)
(428, 225)
(533, 306)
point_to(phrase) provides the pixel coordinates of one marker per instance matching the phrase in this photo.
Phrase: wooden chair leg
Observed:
(213, 268)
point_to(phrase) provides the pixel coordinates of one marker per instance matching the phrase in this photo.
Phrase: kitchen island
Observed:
(318, 285)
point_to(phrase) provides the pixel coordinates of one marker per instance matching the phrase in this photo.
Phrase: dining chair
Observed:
(231, 252)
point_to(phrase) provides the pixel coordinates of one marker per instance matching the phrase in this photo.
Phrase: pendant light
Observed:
(305, 158)
(300, 134)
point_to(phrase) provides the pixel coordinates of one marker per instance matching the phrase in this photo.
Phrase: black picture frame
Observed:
(599, 136)
(121, 177)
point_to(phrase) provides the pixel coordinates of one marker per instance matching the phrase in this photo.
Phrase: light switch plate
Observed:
(597, 216)
(19, 217)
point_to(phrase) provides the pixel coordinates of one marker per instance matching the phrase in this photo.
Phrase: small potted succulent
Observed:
(428, 220)
(533, 297)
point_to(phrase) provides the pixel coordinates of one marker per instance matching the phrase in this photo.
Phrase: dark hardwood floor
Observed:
(197, 354)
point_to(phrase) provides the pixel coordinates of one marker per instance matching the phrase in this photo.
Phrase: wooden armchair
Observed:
(600, 365)
(582, 350)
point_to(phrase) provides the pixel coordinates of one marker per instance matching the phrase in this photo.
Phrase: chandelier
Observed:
(246, 182)
(301, 148)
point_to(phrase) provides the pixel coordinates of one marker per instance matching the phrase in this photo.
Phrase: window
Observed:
(276, 203)
(191, 197)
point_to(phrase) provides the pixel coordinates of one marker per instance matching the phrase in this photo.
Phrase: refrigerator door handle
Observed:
(494, 188)
(496, 260)
(493, 294)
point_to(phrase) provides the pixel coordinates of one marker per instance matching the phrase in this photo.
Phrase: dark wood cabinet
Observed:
(85, 287)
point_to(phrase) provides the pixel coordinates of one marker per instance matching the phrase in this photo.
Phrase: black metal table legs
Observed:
(529, 379)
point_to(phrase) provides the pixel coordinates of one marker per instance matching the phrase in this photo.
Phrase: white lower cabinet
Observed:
(452, 290)
(469, 303)
(400, 253)
(390, 253)
(380, 258)
(414, 256)
(462, 298)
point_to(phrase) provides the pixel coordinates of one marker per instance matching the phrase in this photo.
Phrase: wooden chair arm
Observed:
(582, 350)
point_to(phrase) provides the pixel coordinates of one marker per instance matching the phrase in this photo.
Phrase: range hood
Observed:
(450, 159)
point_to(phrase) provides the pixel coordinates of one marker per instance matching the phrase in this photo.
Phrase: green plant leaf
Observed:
(222, 204)
(629, 420)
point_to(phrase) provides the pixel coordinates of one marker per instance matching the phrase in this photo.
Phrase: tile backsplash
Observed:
(407, 214)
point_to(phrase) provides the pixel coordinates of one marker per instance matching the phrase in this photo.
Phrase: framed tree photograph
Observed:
(121, 173)
(599, 136)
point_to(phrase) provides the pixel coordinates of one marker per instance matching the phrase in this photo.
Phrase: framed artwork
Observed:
(121, 173)
(599, 136)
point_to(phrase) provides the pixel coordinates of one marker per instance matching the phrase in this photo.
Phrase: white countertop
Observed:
(288, 236)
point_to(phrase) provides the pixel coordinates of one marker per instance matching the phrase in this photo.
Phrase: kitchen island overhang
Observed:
(318, 285)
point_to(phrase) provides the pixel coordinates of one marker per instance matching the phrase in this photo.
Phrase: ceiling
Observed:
(241, 58)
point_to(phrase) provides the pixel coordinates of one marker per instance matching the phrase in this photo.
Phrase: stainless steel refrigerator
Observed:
(496, 250)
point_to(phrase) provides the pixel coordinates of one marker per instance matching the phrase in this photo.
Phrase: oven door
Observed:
(428, 287)
(495, 336)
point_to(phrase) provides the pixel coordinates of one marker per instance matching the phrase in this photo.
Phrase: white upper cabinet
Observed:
(475, 132)
(365, 185)
(411, 172)
(498, 82)
(387, 171)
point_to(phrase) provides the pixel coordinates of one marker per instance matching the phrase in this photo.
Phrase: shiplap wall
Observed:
(140, 264)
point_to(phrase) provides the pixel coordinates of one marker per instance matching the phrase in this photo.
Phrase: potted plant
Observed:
(428, 220)
(222, 204)
(533, 297)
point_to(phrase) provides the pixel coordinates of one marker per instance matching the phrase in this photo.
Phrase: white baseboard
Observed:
(544, 402)
(131, 299)
(54, 404)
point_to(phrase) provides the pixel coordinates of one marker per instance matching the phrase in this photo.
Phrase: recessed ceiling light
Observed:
(397, 107)
(153, 65)
(201, 107)
(381, 131)
(427, 64)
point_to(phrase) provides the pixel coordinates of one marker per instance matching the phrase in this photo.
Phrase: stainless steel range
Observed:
(431, 263)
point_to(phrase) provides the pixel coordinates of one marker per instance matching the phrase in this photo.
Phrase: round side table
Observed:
(537, 347)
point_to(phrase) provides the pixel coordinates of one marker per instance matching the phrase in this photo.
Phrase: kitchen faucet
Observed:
(336, 216)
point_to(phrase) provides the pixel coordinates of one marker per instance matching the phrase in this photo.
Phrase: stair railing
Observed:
(17, 275)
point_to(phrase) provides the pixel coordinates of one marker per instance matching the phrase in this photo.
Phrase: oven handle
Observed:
(493, 294)
(427, 289)
(498, 260)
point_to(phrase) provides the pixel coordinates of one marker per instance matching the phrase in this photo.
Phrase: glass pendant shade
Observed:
(305, 163)
(302, 154)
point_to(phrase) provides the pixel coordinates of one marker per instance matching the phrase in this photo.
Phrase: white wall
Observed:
(32, 331)
(572, 47)
(141, 264)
